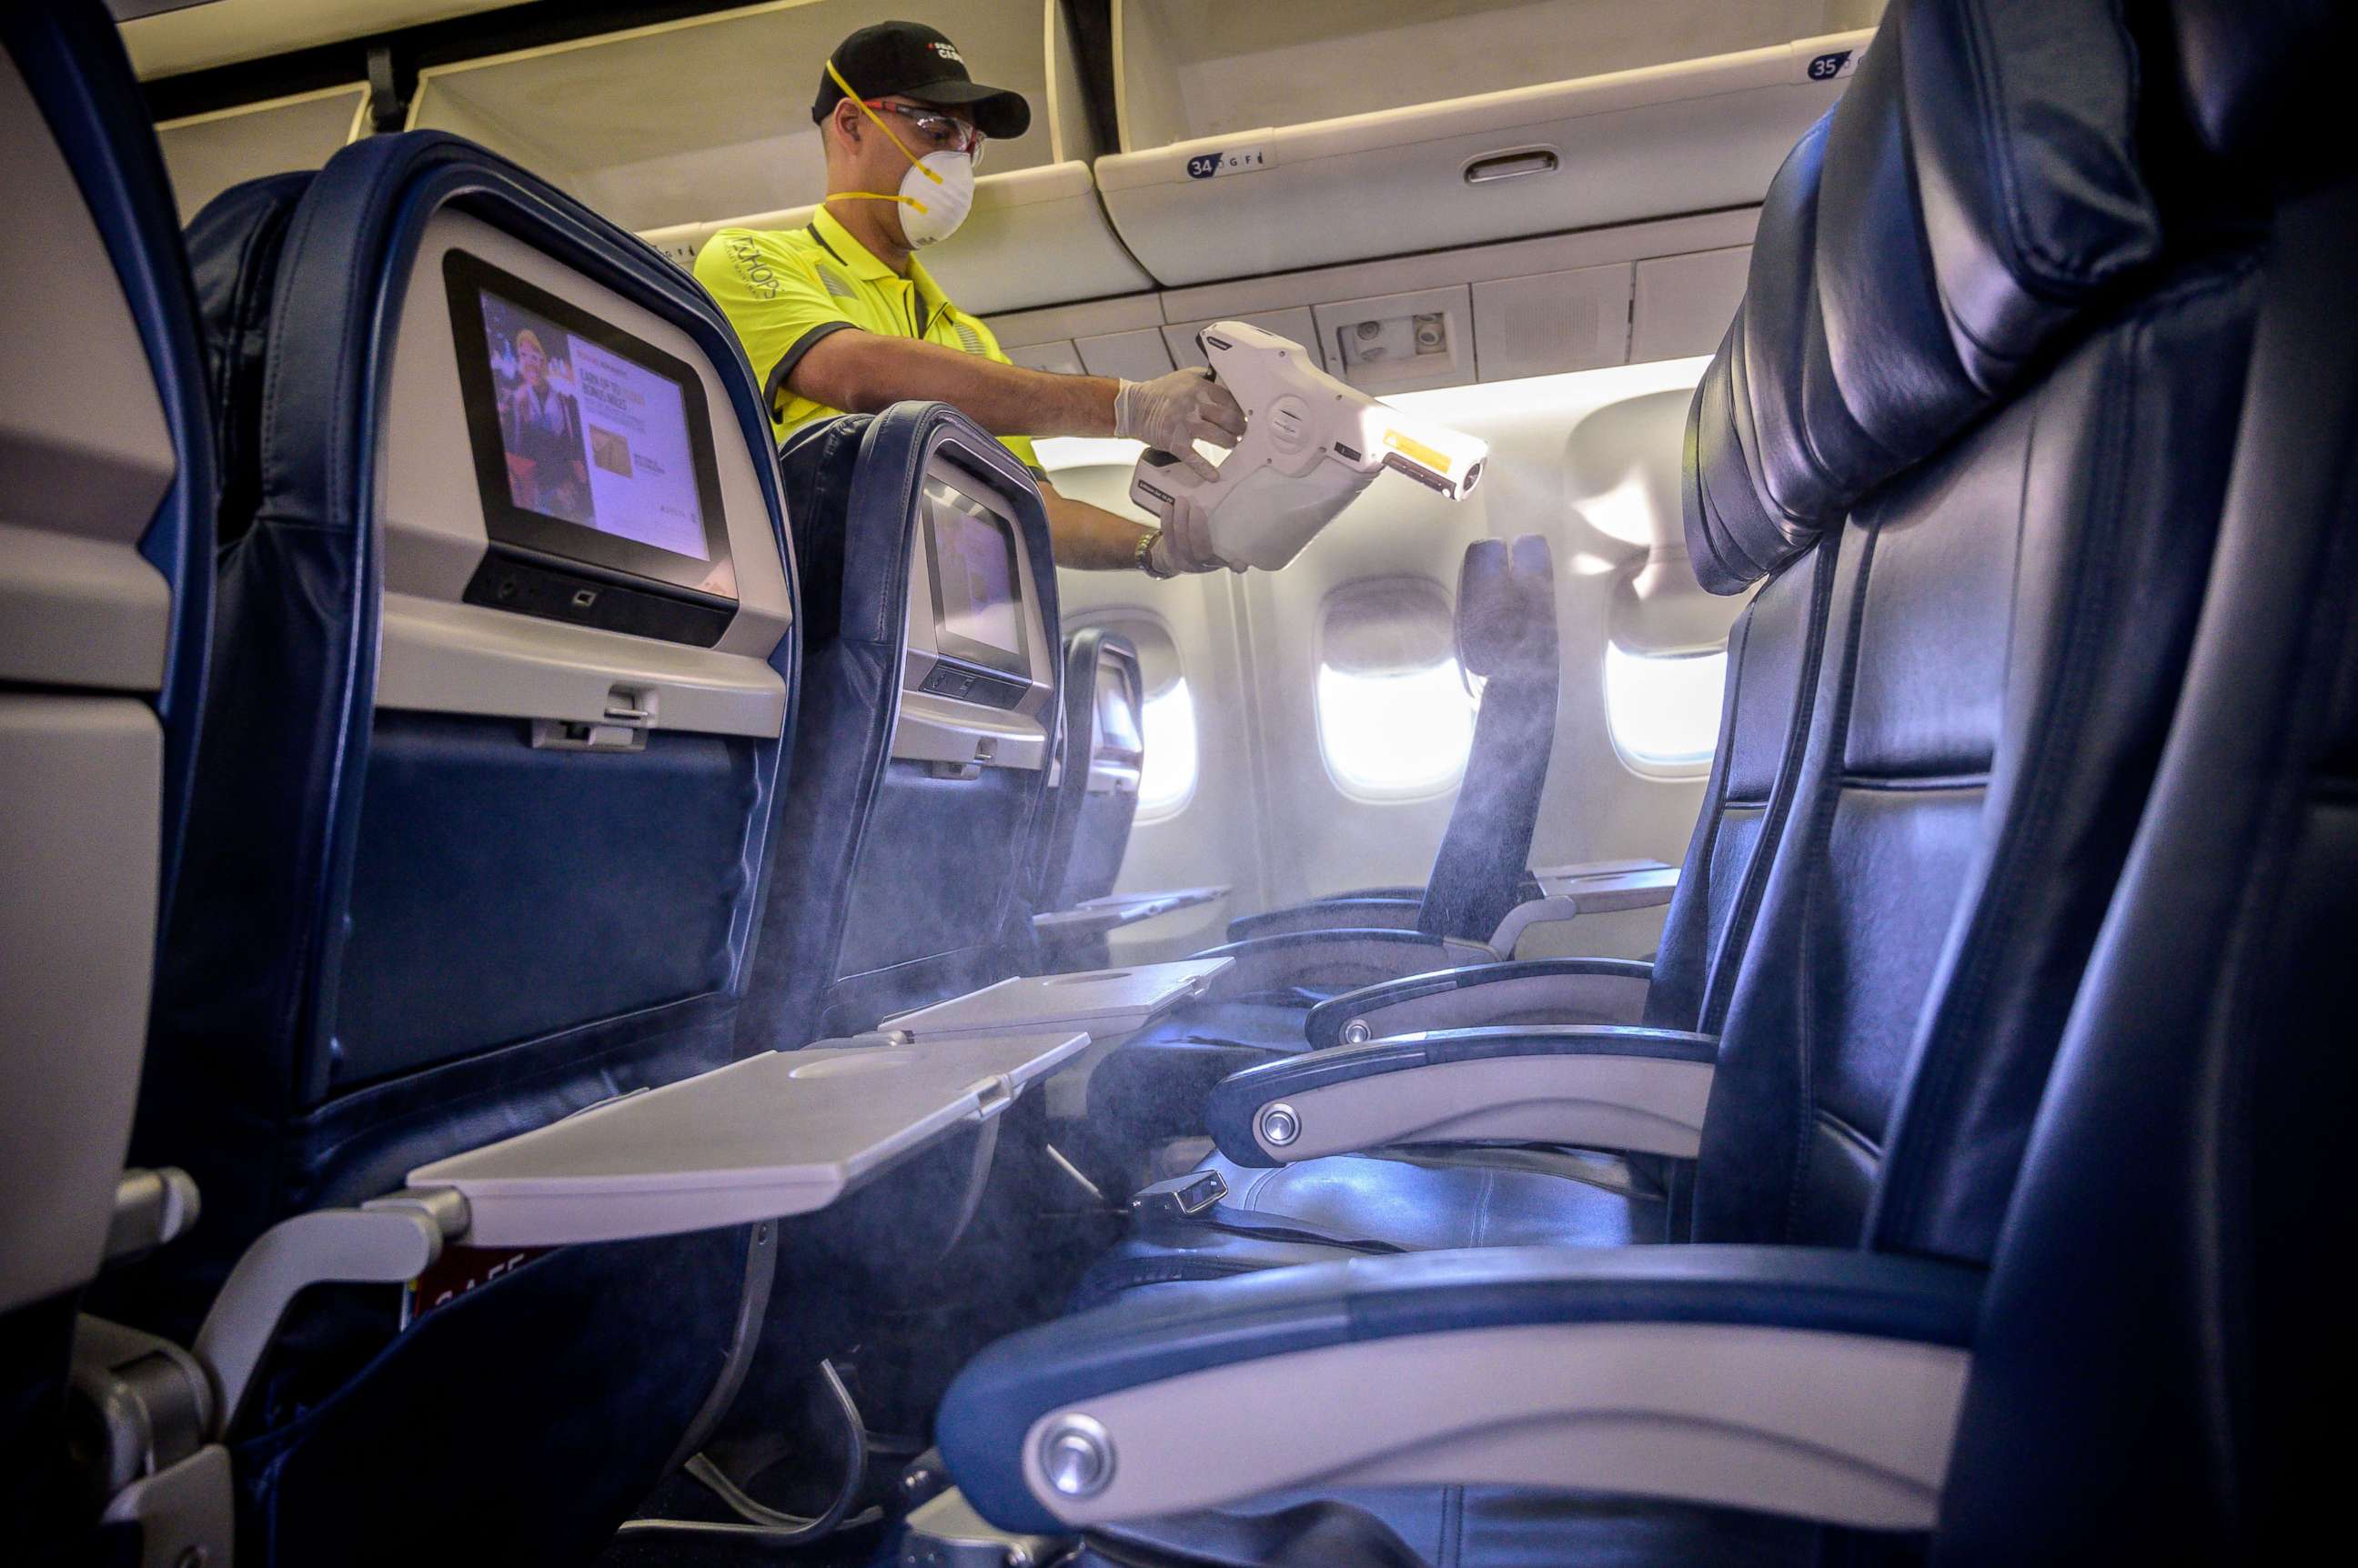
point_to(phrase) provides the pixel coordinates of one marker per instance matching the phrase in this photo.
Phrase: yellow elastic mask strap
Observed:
(875, 196)
(878, 120)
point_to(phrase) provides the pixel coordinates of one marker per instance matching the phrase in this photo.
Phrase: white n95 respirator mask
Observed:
(935, 196)
(936, 193)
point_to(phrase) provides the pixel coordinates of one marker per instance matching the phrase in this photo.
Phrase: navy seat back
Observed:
(1995, 381)
(1506, 638)
(896, 882)
(105, 595)
(413, 919)
(2164, 1355)
(1100, 746)
(2006, 404)
(1773, 652)
(234, 243)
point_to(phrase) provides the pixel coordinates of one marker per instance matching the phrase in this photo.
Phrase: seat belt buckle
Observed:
(1178, 1197)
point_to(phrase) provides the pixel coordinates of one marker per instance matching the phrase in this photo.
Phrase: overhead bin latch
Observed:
(1495, 166)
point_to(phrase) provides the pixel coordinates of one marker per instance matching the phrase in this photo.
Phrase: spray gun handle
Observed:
(1160, 479)
(1211, 365)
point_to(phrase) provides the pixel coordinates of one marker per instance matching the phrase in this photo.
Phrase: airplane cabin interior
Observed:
(1684, 907)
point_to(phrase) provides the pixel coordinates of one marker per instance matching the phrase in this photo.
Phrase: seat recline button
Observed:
(1076, 1456)
(1280, 1125)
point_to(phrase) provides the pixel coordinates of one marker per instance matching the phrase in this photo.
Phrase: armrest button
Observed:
(1077, 1455)
(1357, 1032)
(1278, 1125)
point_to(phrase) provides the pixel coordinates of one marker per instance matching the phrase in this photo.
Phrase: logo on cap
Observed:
(947, 51)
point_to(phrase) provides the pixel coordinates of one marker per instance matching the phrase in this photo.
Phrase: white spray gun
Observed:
(1311, 444)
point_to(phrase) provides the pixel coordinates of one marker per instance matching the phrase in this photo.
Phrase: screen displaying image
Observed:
(591, 437)
(1117, 719)
(974, 571)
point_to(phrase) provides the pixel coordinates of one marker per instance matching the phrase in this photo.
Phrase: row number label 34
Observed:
(1235, 160)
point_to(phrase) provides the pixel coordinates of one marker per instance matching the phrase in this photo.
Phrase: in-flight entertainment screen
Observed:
(1117, 717)
(591, 444)
(978, 605)
(591, 437)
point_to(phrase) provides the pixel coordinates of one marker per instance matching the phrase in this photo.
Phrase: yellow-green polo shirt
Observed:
(784, 289)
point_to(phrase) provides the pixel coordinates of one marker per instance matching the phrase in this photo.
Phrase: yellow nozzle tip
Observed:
(1417, 451)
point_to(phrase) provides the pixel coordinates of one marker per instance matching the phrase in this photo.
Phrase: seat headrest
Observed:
(1506, 607)
(2256, 77)
(235, 244)
(851, 487)
(1974, 194)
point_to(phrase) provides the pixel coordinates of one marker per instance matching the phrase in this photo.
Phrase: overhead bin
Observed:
(172, 41)
(682, 128)
(207, 153)
(1683, 304)
(1633, 293)
(1576, 114)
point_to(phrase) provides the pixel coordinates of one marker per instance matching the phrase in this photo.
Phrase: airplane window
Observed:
(1664, 709)
(1167, 777)
(1395, 718)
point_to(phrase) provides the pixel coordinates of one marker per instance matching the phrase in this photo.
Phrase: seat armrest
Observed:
(1642, 1090)
(1337, 960)
(1571, 898)
(151, 1207)
(1380, 910)
(1579, 870)
(1822, 1383)
(1515, 991)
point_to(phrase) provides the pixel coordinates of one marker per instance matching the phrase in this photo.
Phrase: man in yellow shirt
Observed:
(840, 315)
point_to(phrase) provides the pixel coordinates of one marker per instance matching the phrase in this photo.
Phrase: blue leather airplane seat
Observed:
(2013, 612)
(901, 874)
(2009, 606)
(459, 871)
(1104, 717)
(105, 595)
(1506, 638)
(1151, 1088)
(1773, 659)
(1506, 633)
(1431, 1197)
(2163, 1360)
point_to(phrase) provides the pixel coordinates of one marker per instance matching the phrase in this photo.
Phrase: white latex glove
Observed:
(1186, 543)
(1173, 412)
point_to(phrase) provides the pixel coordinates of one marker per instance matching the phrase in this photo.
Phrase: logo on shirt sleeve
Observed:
(753, 267)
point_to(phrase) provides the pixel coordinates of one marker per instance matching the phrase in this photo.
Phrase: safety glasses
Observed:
(940, 133)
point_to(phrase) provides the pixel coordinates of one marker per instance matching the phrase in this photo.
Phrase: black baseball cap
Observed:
(909, 60)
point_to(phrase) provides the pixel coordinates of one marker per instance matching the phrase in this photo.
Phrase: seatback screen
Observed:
(591, 436)
(978, 591)
(591, 445)
(1118, 726)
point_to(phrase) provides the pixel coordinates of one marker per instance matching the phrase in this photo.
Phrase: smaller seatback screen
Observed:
(1117, 718)
(591, 437)
(977, 597)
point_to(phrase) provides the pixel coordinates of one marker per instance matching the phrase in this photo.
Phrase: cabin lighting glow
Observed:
(1576, 389)
(1664, 709)
(1395, 735)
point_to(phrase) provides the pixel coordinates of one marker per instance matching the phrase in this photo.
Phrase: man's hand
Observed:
(1173, 412)
(1186, 543)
